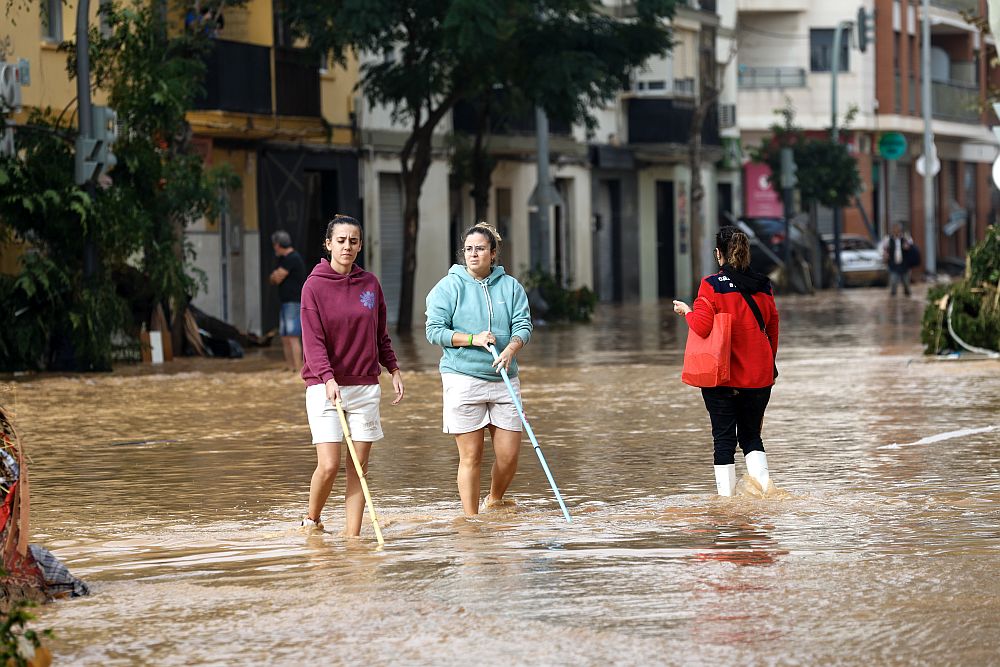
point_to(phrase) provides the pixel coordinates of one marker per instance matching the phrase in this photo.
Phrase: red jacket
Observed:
(751, 363)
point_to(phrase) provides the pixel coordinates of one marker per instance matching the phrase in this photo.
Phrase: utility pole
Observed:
(788, 181)
(838, 36)
(541, 199)
(85, 139)
(930, 153)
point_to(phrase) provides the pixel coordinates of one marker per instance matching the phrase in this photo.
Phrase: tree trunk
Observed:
(413, 181)
(415, 162)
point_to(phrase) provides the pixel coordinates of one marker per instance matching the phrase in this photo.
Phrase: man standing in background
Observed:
(289, 277)
(898, 251)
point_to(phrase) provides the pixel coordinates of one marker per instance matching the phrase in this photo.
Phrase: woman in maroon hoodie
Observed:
(737, 410)
(344, 340)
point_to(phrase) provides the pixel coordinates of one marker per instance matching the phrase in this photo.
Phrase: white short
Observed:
(471, 403)
(361, 407)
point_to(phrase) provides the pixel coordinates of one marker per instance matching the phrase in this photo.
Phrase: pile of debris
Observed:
(30, 572)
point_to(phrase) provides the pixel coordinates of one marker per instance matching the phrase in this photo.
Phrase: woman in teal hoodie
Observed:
(475, 305)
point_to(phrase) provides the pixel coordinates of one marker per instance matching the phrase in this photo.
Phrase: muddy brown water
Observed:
(175, 495)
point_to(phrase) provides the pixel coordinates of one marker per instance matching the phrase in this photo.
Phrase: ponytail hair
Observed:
(734, 246)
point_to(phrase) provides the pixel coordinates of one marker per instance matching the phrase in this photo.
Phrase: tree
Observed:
(422, 56)
(53, 317)
(569, 58)
(827, 173)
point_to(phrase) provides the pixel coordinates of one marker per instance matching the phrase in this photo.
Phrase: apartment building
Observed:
(284, 122)
(643, 245)
(785, 55)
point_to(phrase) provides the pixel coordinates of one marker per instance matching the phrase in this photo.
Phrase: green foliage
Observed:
(984, 259)
(827, 173)
(974, 300)
(18, 643)
(60, 316)
(565, 303)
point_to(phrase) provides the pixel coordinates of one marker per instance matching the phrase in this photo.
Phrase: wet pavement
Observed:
(175, 494)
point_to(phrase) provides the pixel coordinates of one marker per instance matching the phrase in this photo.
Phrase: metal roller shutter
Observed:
(899, 205)
(390, 203)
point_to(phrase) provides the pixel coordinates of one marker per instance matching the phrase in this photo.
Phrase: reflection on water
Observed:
(176, 494)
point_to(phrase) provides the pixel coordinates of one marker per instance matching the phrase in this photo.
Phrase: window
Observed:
(52, 20)
(821, 50)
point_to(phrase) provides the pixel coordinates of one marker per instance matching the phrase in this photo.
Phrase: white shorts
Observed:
(471, 403)
(361, 407)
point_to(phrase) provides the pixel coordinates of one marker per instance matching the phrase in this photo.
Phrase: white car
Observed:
(861, 260)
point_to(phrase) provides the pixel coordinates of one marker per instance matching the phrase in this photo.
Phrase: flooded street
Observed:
(176, 497)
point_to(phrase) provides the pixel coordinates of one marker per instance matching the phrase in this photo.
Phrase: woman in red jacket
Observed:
(737, 410)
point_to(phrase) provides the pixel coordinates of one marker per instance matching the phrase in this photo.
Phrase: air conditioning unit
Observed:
(727, 116)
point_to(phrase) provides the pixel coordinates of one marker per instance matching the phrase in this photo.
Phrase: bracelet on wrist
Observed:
(470, 340)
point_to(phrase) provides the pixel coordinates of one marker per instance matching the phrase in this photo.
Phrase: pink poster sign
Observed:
(762, 200)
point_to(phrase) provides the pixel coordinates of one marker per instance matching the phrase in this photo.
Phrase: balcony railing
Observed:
(503, 119)
(668, 121)
(238, 78)
(296, 73)
(662, 87)
(771, 77)
(971, 6)
(957, 102)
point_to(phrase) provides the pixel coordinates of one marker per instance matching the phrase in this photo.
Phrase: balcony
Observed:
(750, 78)
(662, 87)
(297, 82)
(668, 121)
(503, 120)
(971, 6)
(238, 78)
(954, 101)
(772, 5)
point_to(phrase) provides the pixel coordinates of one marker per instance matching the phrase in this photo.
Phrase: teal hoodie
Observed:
(460, 303)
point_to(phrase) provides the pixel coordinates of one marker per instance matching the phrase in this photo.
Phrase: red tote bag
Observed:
(706, 360)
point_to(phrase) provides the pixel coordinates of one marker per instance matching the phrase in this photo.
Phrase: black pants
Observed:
(737, 416)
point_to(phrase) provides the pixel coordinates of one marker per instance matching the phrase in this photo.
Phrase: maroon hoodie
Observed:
(343, 327)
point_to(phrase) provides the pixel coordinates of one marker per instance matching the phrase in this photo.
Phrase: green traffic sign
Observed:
(892, 145)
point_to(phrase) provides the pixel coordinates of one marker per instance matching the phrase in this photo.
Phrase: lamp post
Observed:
(838, 36)
(84, 118)
(930, 154)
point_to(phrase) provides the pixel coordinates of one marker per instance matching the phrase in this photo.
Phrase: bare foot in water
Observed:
(491, 503)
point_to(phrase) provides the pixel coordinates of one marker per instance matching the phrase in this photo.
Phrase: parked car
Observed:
(767, 242)
(861, 260)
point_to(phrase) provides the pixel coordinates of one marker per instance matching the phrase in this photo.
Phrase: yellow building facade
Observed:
(281, 118)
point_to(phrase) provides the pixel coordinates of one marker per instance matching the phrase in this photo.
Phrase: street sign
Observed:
(935, 164)
(892, 145)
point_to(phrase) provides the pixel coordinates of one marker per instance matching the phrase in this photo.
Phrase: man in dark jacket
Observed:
(898, 251)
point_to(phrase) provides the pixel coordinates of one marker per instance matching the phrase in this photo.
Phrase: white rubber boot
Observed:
(756, 462)
(725, 479)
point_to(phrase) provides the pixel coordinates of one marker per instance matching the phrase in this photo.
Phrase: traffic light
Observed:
(10, 100)
(866, 29)
(93, 151)
(10, 87)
